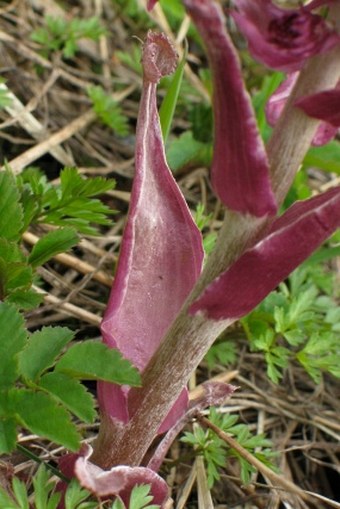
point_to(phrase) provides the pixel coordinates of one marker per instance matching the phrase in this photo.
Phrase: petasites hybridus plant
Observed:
(164, 311)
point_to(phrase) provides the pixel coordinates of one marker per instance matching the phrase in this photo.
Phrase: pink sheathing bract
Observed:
(323, 105)
(118, 481)
(291, 239)
(274, 107)
(240, 170)
(161, 253)
(281, 38)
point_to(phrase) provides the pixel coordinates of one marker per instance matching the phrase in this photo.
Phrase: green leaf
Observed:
(201, 118)
(17, 276)
(42, 349)
(42, 488)
(326, 158)
(72, 203)
(140, 498)
(54, 242)
(323, 254)
(25, 299)
(8, 435)
(74, 185)
(42, 415)
(223, 352)
(12, 339)
(7, 502)
(11, 215)
(75, 497)
(108, 110)
(20, 492)
(10, 252)
(168, 106)
(92, 360)
(71, 393)
(118, 504)
(186, 150)
(295, 337)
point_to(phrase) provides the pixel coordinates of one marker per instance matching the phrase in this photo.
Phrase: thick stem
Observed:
(189, 338)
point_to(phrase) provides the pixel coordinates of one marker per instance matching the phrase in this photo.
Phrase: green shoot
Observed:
(63, 35)
(108, 110)
(216, 453)
(139, 499)
(298, 322)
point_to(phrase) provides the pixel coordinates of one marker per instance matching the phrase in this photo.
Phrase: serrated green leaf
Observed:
(76, 495)
(73, 184)
(20, 493)
(108, 110)
(11, 215)
(53, 501)
(7, 502)
(17, 276)
(10, 251)
(71, 393)
(12, 339)
(168, 106)
(92, 360)
(223, 352)
(42, 349)
(246, 470)
(25, 299)
(41, 414)
(8, 435)
(118, 504)
(42, 488)
(295, 336)
(140, 498)
(31, 207)
(54, 242)
(186, 150)
(72, 203)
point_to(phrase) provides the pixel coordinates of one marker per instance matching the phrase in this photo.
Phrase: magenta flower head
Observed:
(280, 38)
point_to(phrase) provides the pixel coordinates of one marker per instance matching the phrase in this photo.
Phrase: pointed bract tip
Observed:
(159, 56)
(150, 4)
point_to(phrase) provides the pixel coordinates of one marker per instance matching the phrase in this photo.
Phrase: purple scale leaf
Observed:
(324, 105)
(240, 171)
(282, 38)
(274, 107)
(161, 253)
(290, 240)
(119, 481)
